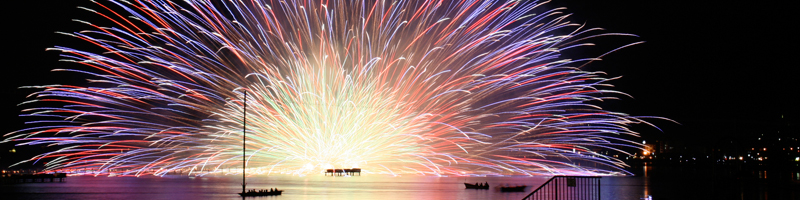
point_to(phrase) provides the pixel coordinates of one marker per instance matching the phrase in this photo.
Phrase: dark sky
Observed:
(719, 68)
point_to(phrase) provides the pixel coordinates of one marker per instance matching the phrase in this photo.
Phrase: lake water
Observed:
(383, 187)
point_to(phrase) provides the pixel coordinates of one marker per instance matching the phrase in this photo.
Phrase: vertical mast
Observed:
(244, 132)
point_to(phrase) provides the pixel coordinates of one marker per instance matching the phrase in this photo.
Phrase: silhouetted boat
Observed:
(259, 193)
(513, 189)
(250, 193)
(473, 186)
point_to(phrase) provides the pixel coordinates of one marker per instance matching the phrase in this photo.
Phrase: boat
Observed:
(520, 188)
(250, 193)
(474, 186)
(253, 193)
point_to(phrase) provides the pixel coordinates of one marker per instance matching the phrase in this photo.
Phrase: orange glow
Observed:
(648, 149)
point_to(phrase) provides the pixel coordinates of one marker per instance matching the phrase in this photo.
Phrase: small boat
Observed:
(520, 188)
(250, 193)
(261, 193)
(474, 186)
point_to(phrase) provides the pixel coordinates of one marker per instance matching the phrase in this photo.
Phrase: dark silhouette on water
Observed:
(34, 178)
(270, 192)
(479, 186)
(250, 193)
(507, 188)
(342, 172)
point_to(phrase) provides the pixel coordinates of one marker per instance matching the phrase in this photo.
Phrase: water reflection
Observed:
(646, 178)
(714, 182)
(651, 181)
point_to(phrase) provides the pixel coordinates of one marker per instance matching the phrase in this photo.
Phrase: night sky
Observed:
(722, 70)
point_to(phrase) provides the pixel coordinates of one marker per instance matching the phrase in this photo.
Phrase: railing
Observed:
(568, 188)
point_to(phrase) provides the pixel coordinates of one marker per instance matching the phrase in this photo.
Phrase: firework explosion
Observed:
(426, 87)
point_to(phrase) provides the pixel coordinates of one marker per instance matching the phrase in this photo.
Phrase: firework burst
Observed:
(429, 87)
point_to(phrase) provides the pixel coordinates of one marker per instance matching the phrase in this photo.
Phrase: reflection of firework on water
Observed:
(431, 87)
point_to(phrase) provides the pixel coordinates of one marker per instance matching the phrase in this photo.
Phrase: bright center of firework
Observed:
(327, 120)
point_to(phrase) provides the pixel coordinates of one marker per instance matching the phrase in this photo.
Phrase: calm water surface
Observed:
(367, 187)
(661, 186)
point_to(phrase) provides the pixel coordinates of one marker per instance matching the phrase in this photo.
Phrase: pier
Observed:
(342, 172)
(32, 178)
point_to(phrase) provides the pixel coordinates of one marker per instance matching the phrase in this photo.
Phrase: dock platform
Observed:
(342, 172)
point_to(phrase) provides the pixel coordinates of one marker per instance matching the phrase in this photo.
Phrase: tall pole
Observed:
(244, 139)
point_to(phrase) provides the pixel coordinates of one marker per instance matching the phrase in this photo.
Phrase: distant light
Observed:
(797, 159)
(13, 150)
(644, 142)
